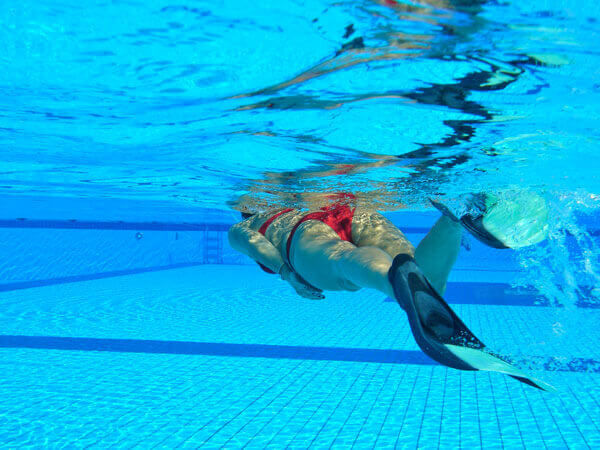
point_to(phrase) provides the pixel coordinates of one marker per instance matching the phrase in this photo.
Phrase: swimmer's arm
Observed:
(253, 244)
(299, 284)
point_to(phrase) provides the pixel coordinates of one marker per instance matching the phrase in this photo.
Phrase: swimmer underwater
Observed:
(344, 247)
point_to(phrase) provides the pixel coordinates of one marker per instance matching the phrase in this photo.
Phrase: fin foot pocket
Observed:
(472, 223)
(431, 320)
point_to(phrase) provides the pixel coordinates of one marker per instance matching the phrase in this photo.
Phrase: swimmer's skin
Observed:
(327, 263)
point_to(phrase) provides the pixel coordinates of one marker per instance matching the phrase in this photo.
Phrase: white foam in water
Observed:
(564, 266)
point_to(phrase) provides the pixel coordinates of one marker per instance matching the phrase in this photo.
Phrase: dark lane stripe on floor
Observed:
(5, 287)
(551, 364)
(217, 349)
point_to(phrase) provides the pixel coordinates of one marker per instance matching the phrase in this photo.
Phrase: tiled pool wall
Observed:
(46, 241)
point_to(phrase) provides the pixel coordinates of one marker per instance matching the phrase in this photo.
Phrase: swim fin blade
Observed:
(438, 331)
(482, 360)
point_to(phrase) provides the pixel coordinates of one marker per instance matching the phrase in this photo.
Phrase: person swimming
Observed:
(343, 247)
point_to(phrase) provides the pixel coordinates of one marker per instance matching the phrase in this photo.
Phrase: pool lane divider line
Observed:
(70, 224)
(342, 354)
(111, 225)
(6, 287)
(73, 224)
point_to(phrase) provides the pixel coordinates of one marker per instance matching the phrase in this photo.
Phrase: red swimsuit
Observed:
(338, 216)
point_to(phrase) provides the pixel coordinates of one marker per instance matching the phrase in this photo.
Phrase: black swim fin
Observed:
(474, 224)
(437, 329)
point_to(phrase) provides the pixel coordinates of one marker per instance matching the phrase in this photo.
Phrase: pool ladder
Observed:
(212, 247)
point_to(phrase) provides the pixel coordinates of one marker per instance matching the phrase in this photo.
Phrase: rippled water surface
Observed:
(214, 104)
(205, 101)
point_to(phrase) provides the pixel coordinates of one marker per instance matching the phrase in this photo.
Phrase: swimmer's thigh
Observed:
(369, 228)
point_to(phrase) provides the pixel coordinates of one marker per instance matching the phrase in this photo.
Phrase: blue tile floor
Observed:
(226, 356)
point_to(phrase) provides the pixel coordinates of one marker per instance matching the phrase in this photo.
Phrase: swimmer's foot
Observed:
(437, 329)
(473, 222)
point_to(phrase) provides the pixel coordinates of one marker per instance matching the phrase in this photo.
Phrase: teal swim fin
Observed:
(437, 329)
(513, 220)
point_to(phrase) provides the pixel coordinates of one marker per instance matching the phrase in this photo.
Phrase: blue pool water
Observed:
(133, 133)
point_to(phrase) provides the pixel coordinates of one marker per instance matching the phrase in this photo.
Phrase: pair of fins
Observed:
(438, 331)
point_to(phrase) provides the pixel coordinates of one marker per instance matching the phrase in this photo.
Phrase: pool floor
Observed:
(225, 356)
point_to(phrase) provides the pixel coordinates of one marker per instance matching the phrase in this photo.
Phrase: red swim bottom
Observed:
(338, 217)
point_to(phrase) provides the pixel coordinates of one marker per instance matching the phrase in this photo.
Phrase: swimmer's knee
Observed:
(382, 266)
(375, 255)
(349, 286)
(370, 259)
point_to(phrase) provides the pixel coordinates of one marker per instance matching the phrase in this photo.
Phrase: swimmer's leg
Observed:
(437, 252)
(438, 331)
